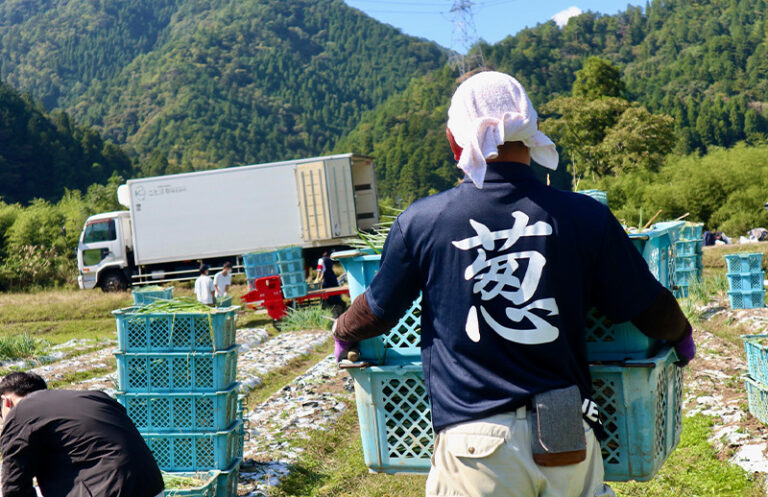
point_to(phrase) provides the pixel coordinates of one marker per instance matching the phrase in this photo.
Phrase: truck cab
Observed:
(103, 252)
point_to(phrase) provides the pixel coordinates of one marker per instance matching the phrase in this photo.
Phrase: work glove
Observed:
(686, 349)
(341, 348)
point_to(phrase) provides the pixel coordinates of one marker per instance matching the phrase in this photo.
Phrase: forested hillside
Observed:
(41, 154)
(209, 83)
(703, 63)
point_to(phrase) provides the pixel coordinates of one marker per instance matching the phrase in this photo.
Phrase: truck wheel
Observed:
(113, 282)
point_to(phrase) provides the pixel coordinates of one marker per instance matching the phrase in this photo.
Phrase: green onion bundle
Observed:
(150, 288)
(173, 306)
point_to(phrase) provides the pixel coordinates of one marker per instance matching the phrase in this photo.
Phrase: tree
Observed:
(598, 78)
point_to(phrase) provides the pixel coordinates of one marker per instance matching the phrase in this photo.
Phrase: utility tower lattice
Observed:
(464, 36)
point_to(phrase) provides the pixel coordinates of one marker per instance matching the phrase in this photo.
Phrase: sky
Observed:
(494, 19)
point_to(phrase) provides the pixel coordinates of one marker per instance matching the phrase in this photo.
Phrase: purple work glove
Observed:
(686, 349)
(341, 347)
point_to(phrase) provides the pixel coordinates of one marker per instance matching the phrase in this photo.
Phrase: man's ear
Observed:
(455, 148)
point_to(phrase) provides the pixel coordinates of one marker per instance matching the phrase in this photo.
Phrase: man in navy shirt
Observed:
(508, 268)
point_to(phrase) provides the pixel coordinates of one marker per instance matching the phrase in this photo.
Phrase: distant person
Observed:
(204, 289)
(223, 280)
(77, 444)
(327, 279)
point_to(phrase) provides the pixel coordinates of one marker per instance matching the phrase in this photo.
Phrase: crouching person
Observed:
(77, 444)
(508, 268)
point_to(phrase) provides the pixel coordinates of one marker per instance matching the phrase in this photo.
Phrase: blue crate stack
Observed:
(259, 265)
(745, 280)
(290, 267)
(394, 409)
(598, 195)
(756, 379)
(177, 380)
(688, 254)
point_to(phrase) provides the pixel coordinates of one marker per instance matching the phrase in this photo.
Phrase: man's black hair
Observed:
(22, 384)
(227, 264)
(204, 268)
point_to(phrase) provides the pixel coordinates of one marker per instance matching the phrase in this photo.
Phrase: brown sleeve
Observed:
(359, 322)
(663, 319)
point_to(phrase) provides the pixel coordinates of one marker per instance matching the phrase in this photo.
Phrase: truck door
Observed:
(366, 201)
(99, 247)
(313, 201)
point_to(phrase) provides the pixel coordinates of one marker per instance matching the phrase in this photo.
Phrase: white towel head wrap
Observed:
(487, 110)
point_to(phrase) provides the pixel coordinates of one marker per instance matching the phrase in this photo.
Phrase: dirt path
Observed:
(311, 402)
(716, 388)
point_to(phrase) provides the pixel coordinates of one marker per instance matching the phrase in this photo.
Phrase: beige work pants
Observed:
(491, 457)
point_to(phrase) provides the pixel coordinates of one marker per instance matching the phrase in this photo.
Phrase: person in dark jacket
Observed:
(77, 444)
(507, 268)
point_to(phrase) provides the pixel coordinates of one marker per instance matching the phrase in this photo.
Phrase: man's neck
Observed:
(512, 152)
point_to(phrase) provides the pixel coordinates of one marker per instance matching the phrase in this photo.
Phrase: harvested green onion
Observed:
(172, 306)
(149, 288)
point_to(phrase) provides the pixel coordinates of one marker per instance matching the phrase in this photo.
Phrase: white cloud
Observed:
(561, 18)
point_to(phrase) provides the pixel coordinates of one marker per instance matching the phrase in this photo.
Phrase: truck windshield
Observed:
(100, 231)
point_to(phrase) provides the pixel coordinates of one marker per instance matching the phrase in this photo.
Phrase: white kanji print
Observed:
(496, 277)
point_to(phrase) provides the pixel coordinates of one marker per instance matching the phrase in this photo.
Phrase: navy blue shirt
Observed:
(508, 273)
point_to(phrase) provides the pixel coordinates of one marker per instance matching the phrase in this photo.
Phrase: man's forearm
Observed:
(663, 319)
(359, 322)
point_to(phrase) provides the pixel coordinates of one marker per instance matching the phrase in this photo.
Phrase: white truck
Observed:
(178, 221)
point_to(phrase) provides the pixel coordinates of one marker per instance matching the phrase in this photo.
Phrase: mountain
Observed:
(42, 154)
(704, 63)
(209, 83)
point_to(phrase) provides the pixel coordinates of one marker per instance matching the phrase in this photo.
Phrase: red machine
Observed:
(268, 293)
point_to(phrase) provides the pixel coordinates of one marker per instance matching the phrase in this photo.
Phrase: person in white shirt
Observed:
(223, 279)
(204, 286)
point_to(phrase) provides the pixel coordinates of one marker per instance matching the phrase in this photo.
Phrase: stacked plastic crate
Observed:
(745, 280)
(756, 381)
(688, 264)
(635, 382)
(176, 379)
(259, 265)
(290, 267)
(598, 195)
(147, 295)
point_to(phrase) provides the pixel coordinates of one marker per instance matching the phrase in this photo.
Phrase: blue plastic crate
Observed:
(756, 348)
(260, 271)
(598, 195)
(259, 259)
(641, 405)
(688, 247)
(681, 292)
(183, 412)
(746, 281)
(609, 341)
(175, 332)
(757, 398)
(640, 400)
(208, 489)
(674, 228)
(294, 291)
(747, 299)
(289, 254)
(144, 297)
(195, 451)
(227, 481)
(684, 277)
(292, 278)
(290, 267)
(658, 250)
(176, 371)
(744, 262)
(360, 269)
(687, 262)
(693, 231)
(401, 344)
